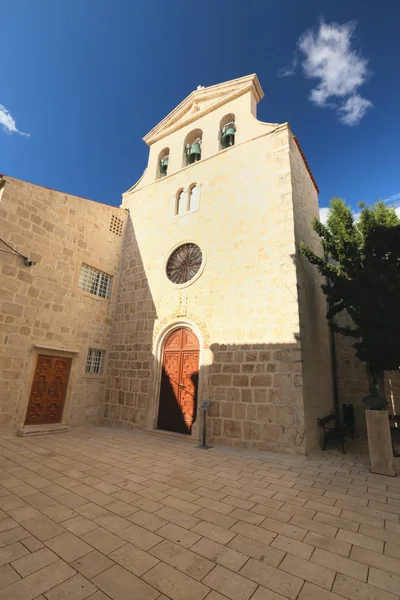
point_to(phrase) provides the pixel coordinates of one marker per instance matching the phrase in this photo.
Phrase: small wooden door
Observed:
(48, 391)
(180, 371)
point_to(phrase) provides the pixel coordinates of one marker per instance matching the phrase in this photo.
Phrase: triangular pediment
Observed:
(202, 101)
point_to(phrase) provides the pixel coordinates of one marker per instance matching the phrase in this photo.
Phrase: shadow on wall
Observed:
(130, 356)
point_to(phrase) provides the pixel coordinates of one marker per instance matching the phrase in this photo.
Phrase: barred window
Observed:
(94, 361)
(94, 281)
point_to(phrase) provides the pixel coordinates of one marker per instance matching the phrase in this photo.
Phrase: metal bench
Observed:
(332, 430)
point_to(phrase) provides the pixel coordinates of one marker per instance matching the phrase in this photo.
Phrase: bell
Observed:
(228, 135)
(194, 152)
(164, 165)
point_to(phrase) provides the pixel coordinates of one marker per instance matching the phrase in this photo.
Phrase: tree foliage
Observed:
(362, 265)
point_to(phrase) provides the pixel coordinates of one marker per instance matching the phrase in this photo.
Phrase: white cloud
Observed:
(353, 110)
(328, 56)
(288, 71)
(392, 199)
(323, 214)
(8, 122)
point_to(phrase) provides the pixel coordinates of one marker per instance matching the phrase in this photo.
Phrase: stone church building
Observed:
(193, 289)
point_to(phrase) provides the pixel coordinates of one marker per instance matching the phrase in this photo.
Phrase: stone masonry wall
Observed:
(314, 331)
(42, 305)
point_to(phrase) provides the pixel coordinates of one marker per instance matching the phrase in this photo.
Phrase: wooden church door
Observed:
(48, 391)
(180, 372)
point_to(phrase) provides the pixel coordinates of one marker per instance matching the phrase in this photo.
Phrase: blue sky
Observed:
(87, 79)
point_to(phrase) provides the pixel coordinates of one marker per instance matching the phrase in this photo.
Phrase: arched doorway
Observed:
(179, 380)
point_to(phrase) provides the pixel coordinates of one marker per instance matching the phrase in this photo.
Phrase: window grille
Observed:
(116, 225)
(94, 281)
(94, 361)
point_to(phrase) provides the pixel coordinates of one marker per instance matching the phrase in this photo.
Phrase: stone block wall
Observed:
(130, 356)
(42, 305)
(257, 399)
(314, 330)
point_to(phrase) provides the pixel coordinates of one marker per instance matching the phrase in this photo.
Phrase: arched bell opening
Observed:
(162, 163)
(193, 147)
(227, 131)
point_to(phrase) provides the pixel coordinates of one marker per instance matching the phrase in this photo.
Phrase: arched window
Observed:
(192, 147)
(227, 131)
(181, 202)
(194, 197)
(162, 163)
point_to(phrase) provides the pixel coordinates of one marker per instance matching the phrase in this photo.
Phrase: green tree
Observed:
(361, 264)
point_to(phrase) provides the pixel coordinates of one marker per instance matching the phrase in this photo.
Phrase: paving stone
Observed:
(313, 592)
(297, 533)
(112, 522)
(343, 565)
(356, 590)
(123, 509)
(13, 535)
(147, 520)
(174, 516)
(328, 543)
(24, 513)
(263, 593)
(100, 596)
(72, 500)
(7, 524)
(247, 516)
(32, 543)
(103, 540)
(142, 538)
(379, 534)
(273, 513)
(7, 576)
(309, 571)
(214, 518)
(76, 588)
(34, 562)
(68, 546)
(314, 526)
(79, 525)
(181, 536)
(90, 510)
(338, 522)
(231, 584)
(146, 504)
(90, 565)
(263, 552)
(255, 533)
(38, 583)
(384, 580)
(58, 512)
(133, 559)
(12, 552)
(292, 546)
(363, 541)
(120, 584)
(375, 559)
(364, 519)
(220, 554)
(184, 560)
(392, 550)
(174, 584)
(39, 500)
(274, 579)
(43, 528)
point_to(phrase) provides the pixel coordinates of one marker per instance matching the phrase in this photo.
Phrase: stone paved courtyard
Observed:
(101, 513)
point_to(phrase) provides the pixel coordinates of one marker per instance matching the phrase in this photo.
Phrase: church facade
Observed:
(193, 290)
